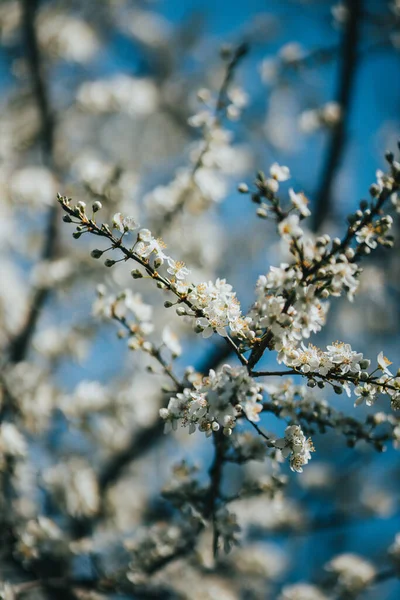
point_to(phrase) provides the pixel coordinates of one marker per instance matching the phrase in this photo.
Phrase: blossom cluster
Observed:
(203, 182)
(288, 326)
(217, 401)
(339, 362)
(296, 446)
(215, 305)
(122, 305)
(221, 309)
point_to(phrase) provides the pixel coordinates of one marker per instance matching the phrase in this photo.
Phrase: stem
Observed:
(215, 472)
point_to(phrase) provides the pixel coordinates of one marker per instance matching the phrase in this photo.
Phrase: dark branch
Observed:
(20, 344)
(348, 65)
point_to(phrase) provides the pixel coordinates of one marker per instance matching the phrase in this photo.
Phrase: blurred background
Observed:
(97, 100)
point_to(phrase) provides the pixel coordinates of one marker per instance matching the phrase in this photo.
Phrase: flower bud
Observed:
(136, 274)
(67, 219)
(96, 206)
(374, 190)
(389, 157)
(96, 253)
(365, 363)
(243, 188)
(109, 262)
(261, 212)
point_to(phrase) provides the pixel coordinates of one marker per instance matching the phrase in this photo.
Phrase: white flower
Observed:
(331, 113)
(383, 363)
(212, 404)
(309, 121)
(124, 224)
(307, 360)
(89, 396)
(75, 486)
(367, 393)
(354, 573)
(134, 303)
(395, 200)
(148, 245)
(177, 269)
(367, 235)
(171, 340)
(278, 172)
(220, 308)
(301, 591)
(12, 443)
(300, 202)
(296, 446)
(289, 228)
(7, 591)
(344, 358)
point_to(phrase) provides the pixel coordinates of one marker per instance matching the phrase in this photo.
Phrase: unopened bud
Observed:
(136, 274)
(389, 157)
(262, 213)
(374, 190)
(109, 262)
(96, 253)
(365, 363)
(243, 188)
(96, 206)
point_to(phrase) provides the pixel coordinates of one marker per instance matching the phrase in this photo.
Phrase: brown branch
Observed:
(20, 343)
(346, 77)
(214, 492)
(142, 442)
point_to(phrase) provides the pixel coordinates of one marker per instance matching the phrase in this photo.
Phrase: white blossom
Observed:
(289, 228)
(278, 172)
(354, 573)
(295, 446)
(300, 201)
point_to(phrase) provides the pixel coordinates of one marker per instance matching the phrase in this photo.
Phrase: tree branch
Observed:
(20, 343)
(346, 76)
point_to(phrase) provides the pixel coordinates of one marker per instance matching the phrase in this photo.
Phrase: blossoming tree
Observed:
(80, 517)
